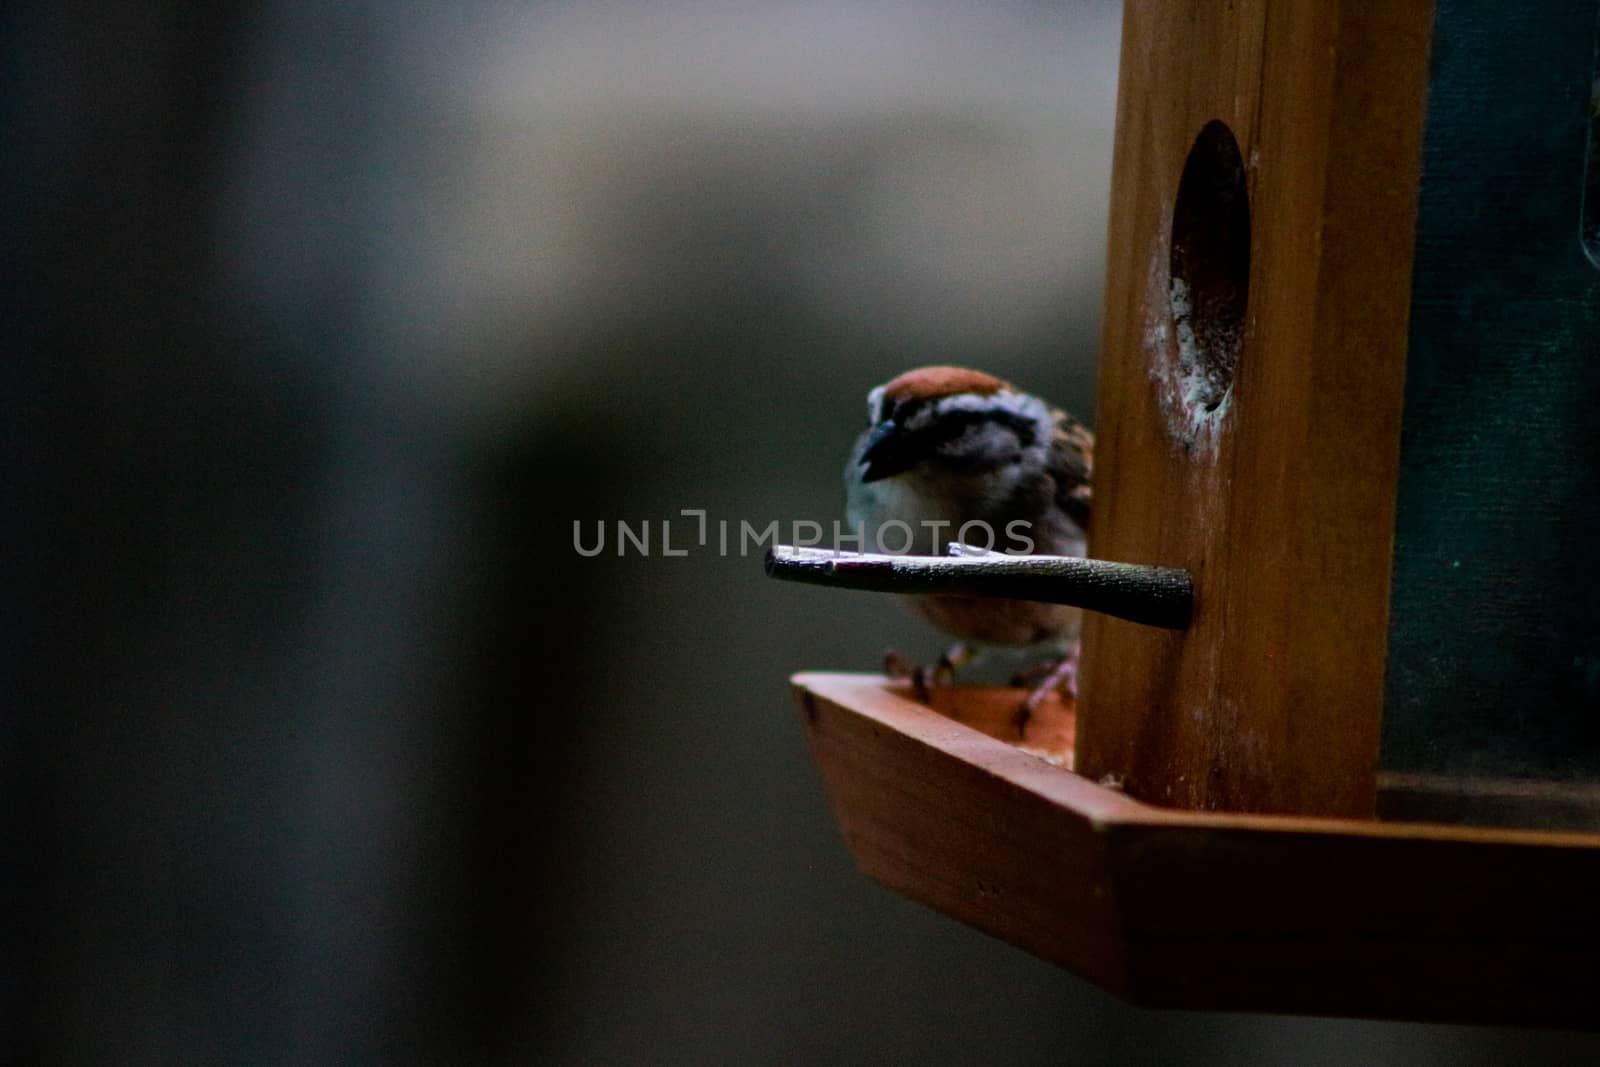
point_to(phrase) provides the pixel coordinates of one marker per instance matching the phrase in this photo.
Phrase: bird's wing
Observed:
(1072, 466)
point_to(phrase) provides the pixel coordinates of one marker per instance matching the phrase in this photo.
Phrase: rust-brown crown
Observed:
(931, 383)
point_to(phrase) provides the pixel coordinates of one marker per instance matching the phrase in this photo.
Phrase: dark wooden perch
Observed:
(1155, 596)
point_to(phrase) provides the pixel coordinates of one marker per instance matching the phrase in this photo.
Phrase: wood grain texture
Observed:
(1283, 511)
(1207, 910)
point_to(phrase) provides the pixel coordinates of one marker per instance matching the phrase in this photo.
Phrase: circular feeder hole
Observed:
(1210, 267)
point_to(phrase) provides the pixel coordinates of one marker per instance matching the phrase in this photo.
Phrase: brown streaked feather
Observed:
(1072, 466)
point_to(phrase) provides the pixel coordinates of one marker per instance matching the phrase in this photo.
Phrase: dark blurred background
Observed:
(323, 323)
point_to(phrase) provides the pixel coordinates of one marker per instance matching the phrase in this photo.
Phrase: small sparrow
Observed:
(959, 455)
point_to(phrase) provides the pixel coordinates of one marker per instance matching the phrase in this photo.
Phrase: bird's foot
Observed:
(943, 671)
(1028, 677)
(1060, 676)
(897, 666)
(957, 655)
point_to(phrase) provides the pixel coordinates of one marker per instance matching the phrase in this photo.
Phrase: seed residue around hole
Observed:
(1208, 277)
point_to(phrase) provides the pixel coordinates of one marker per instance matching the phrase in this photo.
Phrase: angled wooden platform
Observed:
(1201, 909)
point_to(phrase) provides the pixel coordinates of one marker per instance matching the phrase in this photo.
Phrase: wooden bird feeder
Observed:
(1350, 392)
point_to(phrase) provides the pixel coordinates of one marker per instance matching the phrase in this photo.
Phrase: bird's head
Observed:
(950, 421)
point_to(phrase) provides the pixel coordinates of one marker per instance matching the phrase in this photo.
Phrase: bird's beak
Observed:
(889, 452)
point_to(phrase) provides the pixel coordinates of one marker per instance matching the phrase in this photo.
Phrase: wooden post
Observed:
(1258, 289)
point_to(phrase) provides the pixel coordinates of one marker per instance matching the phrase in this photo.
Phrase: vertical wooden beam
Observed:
(1281, 500)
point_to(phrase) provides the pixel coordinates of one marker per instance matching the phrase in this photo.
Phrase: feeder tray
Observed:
(1186, 909)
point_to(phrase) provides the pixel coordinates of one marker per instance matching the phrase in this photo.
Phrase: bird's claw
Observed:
(923, 679)
(957, 655)
(896, 665)
(1061, 677)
